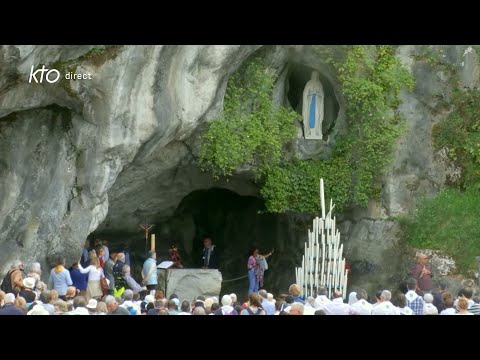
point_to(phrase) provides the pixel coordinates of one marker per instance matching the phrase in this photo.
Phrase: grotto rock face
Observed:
(63, 145)
(373, 242)
(104, 154)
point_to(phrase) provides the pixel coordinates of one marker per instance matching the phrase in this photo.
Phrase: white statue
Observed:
(312, 109)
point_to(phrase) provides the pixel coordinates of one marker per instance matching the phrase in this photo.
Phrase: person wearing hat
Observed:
(38, 310)
(27, 291)
(92, 306)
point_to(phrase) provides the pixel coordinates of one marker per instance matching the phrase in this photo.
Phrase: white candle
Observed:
(317, 261)
(323, 260)
(322, 199)
(342, 277)
(152, 246)
(330, 286)
(345, 281)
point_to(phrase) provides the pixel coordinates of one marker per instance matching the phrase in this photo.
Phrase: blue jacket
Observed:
(79, 280)
(60, 281)
(11, 309)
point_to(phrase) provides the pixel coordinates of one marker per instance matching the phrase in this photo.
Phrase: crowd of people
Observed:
(50, 302)
(101, 283)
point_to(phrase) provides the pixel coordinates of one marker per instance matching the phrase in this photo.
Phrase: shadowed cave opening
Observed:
(234, 223)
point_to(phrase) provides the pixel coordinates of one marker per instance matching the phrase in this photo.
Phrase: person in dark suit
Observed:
(209, 259)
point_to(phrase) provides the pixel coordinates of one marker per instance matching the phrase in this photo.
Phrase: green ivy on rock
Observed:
(459, 132)
(447, 222)
(253, 131)
(371, 79)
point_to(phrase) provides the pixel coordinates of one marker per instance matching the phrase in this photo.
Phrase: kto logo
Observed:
(51, 75)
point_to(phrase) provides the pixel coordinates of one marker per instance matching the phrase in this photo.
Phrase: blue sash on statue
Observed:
(311, 118)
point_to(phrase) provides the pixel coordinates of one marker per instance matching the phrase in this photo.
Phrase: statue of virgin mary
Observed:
(312, 110)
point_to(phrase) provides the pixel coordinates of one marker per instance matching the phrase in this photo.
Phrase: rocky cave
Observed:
(96, 158)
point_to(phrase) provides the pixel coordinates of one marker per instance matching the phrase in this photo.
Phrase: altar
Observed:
(190, 283)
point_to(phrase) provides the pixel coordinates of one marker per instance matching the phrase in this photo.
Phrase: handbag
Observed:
(104, 285)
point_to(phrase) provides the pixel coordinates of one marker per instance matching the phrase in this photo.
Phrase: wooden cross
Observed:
(147, 228)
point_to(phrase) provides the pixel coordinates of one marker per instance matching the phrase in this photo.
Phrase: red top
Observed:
(425, 280)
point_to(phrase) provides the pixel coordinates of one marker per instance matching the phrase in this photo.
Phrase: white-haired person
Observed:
(38, 310)
(234, 299)
(113, 307)
(9, 307)
(385, 307)
(92, 306)
(352, 298)
(36, 273)
(322, 298)
(337, 306)
(95, 273)
(132, 307)
(132, 284)
(226, 308)
(428, 307)
(297, 309)
(266, 305)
